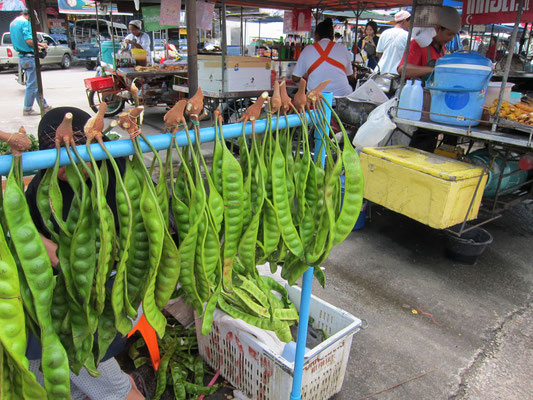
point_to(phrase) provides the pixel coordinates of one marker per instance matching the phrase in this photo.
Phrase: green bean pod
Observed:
(353, 193)
(169, 271)
(207, 319)
(202, 281)
(83, 253)
(38, 272)
(281, 204)
(181, 215)
(56, 196)
(155, 229)
(137, 266)
(60, 301)
(211, 251)
(262, 323)
(187, 278)
(106, 328)
(12, 324)
(178, 378)
(216, 170)
(162, 372)
(232, 193)
(82, 336)
(105, 257)
(271, 230)
(254, 308)
(43, 204)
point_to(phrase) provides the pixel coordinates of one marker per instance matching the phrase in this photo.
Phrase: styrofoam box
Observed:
(261, 374)
(242, 73)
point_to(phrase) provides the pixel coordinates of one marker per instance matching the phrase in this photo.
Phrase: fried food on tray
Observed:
(158, 68)
(519, 112)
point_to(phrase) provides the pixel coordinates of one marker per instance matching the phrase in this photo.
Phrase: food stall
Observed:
(121, 68)
(154, 82)
(494, 139)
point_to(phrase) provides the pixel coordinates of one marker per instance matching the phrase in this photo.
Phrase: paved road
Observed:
(434, 329)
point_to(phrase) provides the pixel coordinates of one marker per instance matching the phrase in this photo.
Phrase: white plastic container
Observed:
(262, 374)
(493, 91)
(405, 99)
(417, 100)
(412, 98)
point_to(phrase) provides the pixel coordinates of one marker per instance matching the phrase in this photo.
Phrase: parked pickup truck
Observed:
(56, 53)
(87, 33)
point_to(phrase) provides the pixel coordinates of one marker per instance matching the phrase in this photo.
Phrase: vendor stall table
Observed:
(479, 133)
(155, 88)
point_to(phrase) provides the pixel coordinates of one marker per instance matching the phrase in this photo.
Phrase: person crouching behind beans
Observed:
(113, 383)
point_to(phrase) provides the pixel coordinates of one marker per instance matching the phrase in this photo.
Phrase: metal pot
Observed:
(389, 83)
(353, 112)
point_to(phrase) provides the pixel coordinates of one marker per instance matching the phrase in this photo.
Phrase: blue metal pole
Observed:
(307, 285)
(42, 159)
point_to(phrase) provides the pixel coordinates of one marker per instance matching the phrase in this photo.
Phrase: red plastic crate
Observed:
(99, 82)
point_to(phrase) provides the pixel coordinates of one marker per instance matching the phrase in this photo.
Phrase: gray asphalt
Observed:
(432, 329)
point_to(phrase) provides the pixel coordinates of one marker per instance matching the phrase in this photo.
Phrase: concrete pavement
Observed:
(433, 329)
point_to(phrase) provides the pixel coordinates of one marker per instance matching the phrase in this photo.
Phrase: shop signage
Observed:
(84, 7)
(494, 11)
(152, 19)
(12, 5)
(204, 15)
(170, 12)
(297, 20)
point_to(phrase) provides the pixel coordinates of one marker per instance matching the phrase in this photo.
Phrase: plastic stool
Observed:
(150, 338)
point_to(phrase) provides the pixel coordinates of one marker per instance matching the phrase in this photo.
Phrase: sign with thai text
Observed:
(494, 11)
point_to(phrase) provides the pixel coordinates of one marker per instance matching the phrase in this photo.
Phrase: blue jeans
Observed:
(27, 64)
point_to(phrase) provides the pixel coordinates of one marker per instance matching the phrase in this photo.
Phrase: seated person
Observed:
(113, 382)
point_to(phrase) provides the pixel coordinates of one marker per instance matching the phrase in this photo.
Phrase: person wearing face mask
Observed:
(428, 44)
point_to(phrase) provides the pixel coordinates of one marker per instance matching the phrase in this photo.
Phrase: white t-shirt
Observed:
(143, 40)
(339, 85)
(392, 44)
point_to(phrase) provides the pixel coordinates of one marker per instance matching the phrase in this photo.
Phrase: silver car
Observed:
(56, 54)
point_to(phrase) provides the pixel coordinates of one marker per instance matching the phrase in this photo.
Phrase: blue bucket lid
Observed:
(464, 58)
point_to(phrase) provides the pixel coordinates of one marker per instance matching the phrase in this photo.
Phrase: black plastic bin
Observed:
(469, 246)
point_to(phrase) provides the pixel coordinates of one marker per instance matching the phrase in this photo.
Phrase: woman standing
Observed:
(369, 44)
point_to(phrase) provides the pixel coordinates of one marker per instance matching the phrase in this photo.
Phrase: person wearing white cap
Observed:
(392, 44)
(137, 39)
(422, 52)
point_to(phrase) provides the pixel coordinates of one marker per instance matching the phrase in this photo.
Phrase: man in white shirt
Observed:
(325, 60)
(392, 44)
(138, 39)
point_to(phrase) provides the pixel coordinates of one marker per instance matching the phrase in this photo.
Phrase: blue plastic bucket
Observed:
(107, 51)
(458, 88)
(360, 223)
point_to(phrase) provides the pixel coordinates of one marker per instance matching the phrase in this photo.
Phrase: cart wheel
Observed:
(114, 103)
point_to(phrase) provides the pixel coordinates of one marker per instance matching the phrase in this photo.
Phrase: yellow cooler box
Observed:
(426, 187)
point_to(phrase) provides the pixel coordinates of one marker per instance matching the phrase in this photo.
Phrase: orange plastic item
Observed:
(150, 338)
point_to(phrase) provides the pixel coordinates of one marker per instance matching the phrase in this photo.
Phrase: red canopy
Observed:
(337, 5)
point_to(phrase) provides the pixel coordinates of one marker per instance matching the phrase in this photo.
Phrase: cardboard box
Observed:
(242, 74)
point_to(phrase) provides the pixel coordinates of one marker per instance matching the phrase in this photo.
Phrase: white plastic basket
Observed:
(261, 374)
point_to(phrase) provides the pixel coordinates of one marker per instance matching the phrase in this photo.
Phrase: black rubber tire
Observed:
(521, 216)
(114, 104)
(90, 65)
(66, 62)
